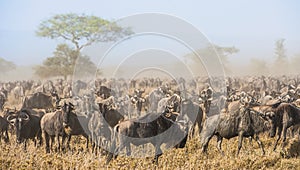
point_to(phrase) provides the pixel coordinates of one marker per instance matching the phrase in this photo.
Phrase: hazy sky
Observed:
(251, 26)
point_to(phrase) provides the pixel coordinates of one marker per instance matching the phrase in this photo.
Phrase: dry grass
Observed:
(12, 156)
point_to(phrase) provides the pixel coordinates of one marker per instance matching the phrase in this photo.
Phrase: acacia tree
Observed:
(208, 52)
(6, 66)
(62, 63)
(281, 61)
(79, 30)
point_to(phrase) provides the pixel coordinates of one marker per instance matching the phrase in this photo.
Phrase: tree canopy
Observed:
(208, 52)
(281, 65)
(81, 30)
(6, 66)
(63, 63)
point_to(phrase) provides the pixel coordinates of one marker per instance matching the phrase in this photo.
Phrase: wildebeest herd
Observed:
(113, 114)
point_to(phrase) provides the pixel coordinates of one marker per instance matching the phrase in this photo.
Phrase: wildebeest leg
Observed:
(241, 137)
(25, 144)
(87, 142)
(158, 153)
(298, 133)
(95, 145)
(52, 141)
(260, 144)
(205, 143)
(219, 145)
(47, 138)
(115, 150)
(112, 155)
(278, 137)
(6, 138)
(128, 149)
(34, 141)
(192, 131)
(69, 141)
(63, 140)
(93, 140)
(58, 143)
(284, 136)
(40, 138)
(93, 148)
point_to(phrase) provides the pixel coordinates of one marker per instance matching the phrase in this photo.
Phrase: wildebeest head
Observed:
(56, 98)
(105, 92)
(9, 111)
(171, 115)
(173, 104)
(18, 120)
(67, 108)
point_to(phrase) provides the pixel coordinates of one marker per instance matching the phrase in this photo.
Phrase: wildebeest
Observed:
(79, 118)
(146, 129)
(245, 122)
(110, 114)
(137, 102)
(18, 92)
(172, 103)
(53, 126)
(26, 123)
(76, 125)
(41, 100)
(284, 116)
(153, 98)
(99, 129)
(105, 92)
(193, 113)
(3, 99)
(3, 129)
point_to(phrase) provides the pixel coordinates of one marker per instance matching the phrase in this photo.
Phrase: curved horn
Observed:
(10, 117)
(175, 113)
(26, 117)
(270, 114)
(242, 101)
